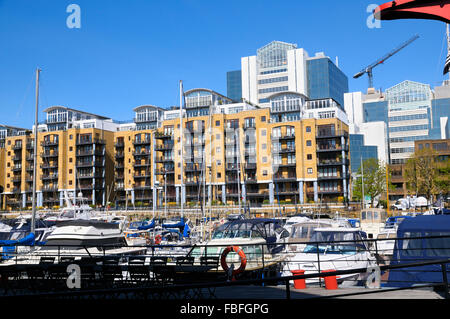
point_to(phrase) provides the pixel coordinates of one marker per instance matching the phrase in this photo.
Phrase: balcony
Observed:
(17, 158)
(142, 186)
(163, 135)
(49, 154)
(232, 166)
(283, 137)
(248, 125)
(250, 166)
(50, 188)
(164, 159)
(144, 141)
(331, 134)
(327, 178)
(119, 144)
(285, 164)
(142, 176)
(165, 171)
(50, 177)
(285, 178)
(164, 147)
(17, 168)
(17, 146)
(142, 164)
(91, 164)
(330, 162)
(90, 141)
(119, 155)
(50, 143)
(49, 165)
(81, 153)
(119, 166)
(337, 148)
(142, 153)
(286, 150)
(16, 179)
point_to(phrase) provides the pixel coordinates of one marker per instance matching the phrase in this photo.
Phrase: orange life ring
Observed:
(240, 252)
(158, 239)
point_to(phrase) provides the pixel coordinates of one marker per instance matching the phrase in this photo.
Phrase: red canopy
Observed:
(414, 9)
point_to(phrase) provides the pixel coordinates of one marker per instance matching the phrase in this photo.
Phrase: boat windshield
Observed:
(330, 242)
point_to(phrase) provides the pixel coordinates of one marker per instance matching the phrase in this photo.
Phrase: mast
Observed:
(33, 215)
(181, 143)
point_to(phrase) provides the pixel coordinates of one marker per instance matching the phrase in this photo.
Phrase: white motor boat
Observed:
(332, 249)
(79, 239)
(257, 243)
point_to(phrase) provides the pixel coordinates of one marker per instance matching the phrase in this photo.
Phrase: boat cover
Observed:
(409, 249)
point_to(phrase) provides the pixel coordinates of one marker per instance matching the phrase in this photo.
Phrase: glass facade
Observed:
(440, 108)
(326, 80)
(375, 112)
(234, 85)
(360, 151)
(274, 54)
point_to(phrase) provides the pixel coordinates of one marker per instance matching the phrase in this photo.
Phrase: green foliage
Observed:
(427, 174)
(374, 180)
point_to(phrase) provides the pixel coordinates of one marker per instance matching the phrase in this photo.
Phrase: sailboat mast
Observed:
(33, 215)
(181, 143)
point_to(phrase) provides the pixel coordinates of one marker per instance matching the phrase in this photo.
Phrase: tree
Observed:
(374, 180)
(426, 174)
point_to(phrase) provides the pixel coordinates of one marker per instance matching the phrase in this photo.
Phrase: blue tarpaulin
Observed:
(9, 245)
(415, 250)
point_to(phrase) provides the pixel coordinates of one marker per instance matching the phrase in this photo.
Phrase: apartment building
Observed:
(233, 152)
(295, 151)
(74, 155)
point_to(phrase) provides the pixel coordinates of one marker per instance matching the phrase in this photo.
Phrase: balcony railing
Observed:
(331, 134)
(90, 141)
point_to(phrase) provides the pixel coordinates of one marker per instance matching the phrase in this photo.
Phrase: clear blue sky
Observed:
(133, 52)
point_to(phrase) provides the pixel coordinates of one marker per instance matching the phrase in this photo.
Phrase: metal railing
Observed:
(224, 281)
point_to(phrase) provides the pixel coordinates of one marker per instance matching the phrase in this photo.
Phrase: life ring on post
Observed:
(240, 252)
(158, 239)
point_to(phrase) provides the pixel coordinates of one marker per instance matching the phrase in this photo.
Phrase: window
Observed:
(264, 146)
(217, 136)
(70, 160)
(308, 129)
(70, 171)
(217, 123)
(264, 159)
(308, 143)
(70, 149)
(310, 170)
(218, 150)
(309, 157)
(219, 175)
(264, 173)
(263, 133)
(263, 118)
(70, 182)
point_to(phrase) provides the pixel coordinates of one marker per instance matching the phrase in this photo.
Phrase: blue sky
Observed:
(133, 52)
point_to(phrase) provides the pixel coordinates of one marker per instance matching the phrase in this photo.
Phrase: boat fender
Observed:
(158, 239)
(240, 252)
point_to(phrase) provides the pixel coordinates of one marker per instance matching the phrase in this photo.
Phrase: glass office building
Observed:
(234, 85)
(360, 152)
(326, 80)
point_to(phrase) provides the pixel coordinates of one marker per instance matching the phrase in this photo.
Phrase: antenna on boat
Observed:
(33, 215)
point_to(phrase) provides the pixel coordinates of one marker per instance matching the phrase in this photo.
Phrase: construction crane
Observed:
(369, 69)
